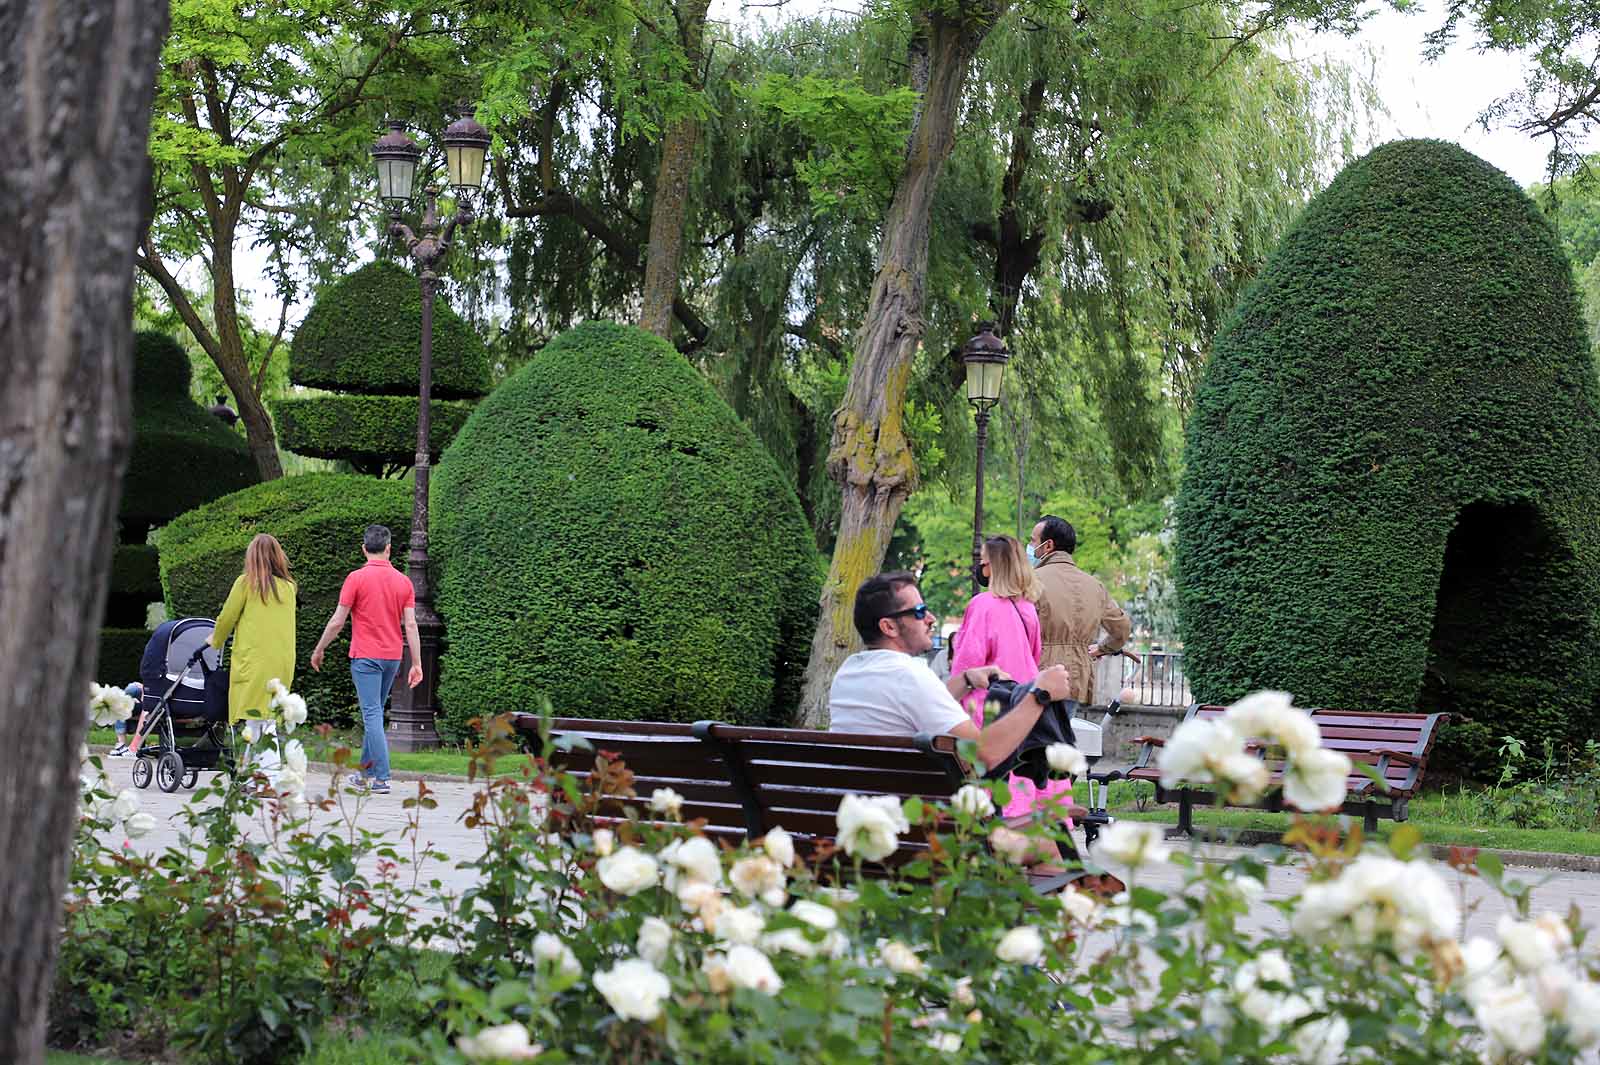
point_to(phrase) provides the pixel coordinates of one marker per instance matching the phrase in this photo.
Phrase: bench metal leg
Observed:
(1185, 814)
(1369, 821)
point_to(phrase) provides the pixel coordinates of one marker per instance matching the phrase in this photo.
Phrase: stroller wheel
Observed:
(169, 771)
(142, 770)
(191, 778)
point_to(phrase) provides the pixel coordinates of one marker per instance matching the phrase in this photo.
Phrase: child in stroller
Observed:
(185, 698)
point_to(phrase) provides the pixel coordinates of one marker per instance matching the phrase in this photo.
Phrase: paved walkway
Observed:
(444, 829)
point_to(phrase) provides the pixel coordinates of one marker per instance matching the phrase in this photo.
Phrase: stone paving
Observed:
(444, 829)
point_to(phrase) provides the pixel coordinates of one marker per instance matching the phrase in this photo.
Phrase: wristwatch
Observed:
(1041, 695)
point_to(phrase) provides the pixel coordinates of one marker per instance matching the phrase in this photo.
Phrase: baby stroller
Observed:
(185, 699)
(1091, 742)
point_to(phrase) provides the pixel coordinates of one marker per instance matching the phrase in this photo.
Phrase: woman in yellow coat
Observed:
(259, 615)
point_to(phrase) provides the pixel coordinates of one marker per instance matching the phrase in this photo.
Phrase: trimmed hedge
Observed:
(379, 429)
(611, 536)
(181, 456)
(363, 335)
(135, 584)
(319, 519)
(121, 650)
(1393, 467)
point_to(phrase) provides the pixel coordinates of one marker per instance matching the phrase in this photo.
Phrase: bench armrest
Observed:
(1152, 741)
(1404, 757)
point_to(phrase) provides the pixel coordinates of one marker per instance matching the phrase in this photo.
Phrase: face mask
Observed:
(1033, 557)
(983, 579)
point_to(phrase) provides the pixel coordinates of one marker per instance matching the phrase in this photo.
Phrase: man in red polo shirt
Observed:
(380, 600)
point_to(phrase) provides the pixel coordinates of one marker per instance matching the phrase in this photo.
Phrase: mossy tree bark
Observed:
(670, 205)
(79, 76)
(870, 458)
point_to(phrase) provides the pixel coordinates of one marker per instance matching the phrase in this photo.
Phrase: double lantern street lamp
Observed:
(985, 357)
(466, 145)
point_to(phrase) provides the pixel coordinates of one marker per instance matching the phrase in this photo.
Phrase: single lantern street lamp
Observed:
(466, 144)
(985, 358)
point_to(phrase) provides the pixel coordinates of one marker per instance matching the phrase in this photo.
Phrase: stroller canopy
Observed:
(167, 655)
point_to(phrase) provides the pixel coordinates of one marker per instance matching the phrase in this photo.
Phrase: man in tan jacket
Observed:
(1074, 607)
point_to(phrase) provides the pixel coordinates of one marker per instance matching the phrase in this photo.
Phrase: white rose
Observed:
(974, 801)
(748, 967)
(605, 841)
(1010, 845)
(628, 871)
(1296, 732)
(1078, 907)
(699, 896)
(1511, 1019)
(125, 805)
(1246, 775)
(666, 801)
(1257, 714)
(756, 876)
(899, 958)
(869, 828)
(779, 846)
(1483, 968)
(655, 940)
(293, 711)
(1187, 755)
(1582, 1014)
(550, 948)
(294, 755)
(1315, 779)
(1380, 895)
(1134, 844)
(815, 914)
(1532, 945)
(740, 924)
(696, 858)
(961, 994)
(1321, 1042)
(1066, 759)
(792, 940)
(945, 1042)
(139, 825)
(1244, 885)
(1270, 966)
(1022, 946)
(634, 989)
(505, 1042)
(109, 704)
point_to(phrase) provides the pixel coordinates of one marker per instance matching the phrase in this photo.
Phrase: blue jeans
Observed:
(374, 677)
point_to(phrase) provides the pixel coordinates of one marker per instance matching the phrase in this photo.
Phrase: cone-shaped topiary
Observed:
(319, 519)
(611, 536)
(364, 332)
(182, 456)
(1391, 471)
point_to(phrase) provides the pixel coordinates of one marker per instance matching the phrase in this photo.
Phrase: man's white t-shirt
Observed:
(890, 693)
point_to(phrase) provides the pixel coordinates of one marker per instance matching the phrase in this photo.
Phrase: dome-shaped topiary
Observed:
(182, 456)
(319, 519)
(1391, 470)
(364, 333)
(611, 536)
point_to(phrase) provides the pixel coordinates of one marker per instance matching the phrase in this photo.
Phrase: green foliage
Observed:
(862, 135)
(1392, 468)
(181, 455)
(362, 335)
(318, 518)
(121, 650)
(135, 584)
(373, 429)
(610, 536)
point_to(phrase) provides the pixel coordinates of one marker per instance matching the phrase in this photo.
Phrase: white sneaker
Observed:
(119, 751)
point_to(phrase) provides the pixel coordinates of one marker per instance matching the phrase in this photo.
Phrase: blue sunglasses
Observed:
(920, 612)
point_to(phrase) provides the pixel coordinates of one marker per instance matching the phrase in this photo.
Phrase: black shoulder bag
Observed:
(1054, 726)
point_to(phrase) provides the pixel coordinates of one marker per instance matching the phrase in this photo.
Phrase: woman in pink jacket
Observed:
(1001, 628)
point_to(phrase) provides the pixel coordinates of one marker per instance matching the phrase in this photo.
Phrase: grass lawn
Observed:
(446, 761)
(61, 1057)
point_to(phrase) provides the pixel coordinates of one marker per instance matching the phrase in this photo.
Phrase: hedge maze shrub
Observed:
(1393, 470)
(319, 519)
(362, 337)
(611, 536)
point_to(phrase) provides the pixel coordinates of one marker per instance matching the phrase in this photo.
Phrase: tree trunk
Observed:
(234, 364)
(75, 114)
(870, 457)
(670, 204)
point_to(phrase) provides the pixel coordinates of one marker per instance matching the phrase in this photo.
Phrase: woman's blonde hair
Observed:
(264, 560)
(1009, 572)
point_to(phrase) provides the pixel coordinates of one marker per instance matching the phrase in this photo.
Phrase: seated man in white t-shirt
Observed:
(888, 690)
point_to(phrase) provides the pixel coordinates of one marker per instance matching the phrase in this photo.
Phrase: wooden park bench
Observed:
(1396, 745)
(743, 782)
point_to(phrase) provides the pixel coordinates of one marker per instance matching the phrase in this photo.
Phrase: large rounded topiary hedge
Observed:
(319, 519)
(182, 456)
(377, 429)
(612, 537)
(1391, 470)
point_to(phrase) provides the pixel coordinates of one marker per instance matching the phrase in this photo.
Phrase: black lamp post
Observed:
(413, 710)
(985, 357)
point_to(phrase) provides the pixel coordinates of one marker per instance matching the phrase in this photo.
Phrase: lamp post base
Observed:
(412, 710)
